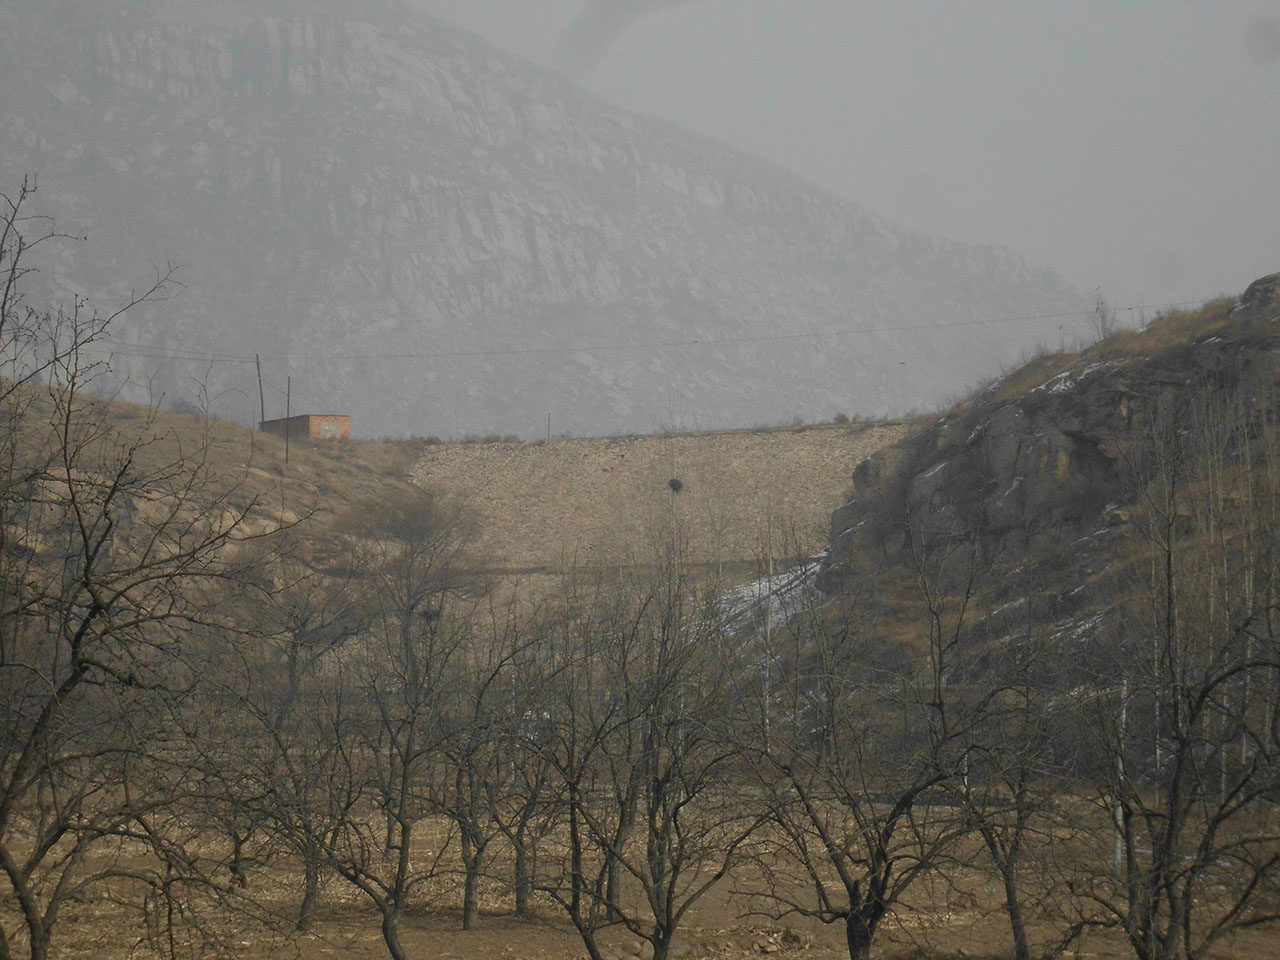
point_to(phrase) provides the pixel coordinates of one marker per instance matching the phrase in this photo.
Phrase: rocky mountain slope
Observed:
(439, 238)
(1046, 467)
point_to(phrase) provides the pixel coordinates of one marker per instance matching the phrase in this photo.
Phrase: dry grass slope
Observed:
(568, 504)
(552, 506)
(319, 478)
(1165, 333)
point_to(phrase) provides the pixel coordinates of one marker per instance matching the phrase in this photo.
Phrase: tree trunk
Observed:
(858, 938)
(391, 933)
(611, 889)
(521, 879)
(37, 931)
(239, 878)
(613, 872)
(575, 856)
(310, 891)
(583, 923)
(470, 896)
(389, 841)
(1016, 922)
(472, 858)
(39, 944)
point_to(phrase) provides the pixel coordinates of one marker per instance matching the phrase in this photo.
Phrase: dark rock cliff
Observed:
(1042, 458)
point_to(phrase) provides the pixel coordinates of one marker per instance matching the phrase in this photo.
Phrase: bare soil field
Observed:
(559, 505)
(940, 920)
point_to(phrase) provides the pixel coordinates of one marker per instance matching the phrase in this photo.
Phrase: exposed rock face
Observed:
(1262, 295)
(1035, 463)
(424, 231)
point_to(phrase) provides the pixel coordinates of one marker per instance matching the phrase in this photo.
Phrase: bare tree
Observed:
(1103, 318)
(1188, 725)
(475, 770)
(572, 728)
(1010, 782)
(642, 736)
(862, 740)
(268, 756)
(111, 552)
(384, 705)
(674, 669)
(526, 806)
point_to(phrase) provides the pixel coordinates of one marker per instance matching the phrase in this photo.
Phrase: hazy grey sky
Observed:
(1134, 146)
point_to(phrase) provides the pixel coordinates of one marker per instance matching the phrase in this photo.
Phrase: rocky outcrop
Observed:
(1044, 457)
(438, 238)
(1262, 296)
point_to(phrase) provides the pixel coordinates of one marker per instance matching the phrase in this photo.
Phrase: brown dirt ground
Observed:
(939, 921)
(349, 929)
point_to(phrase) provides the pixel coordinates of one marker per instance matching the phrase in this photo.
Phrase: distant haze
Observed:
(405, 225)
(598, 27)
(1131, 146)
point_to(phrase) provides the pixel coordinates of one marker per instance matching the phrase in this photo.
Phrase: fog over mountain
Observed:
(597, 26)
(437, 237)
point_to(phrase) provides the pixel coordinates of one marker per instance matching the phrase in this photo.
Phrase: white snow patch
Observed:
(1017, 482)
(1067, 379)
(934, 470)
(1006, 606)
(1064, 383)
(777, 598)
(1055, 384)
(1091, 368)
(1080, 629)
(848, 530)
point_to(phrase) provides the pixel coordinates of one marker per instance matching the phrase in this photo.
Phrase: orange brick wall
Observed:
(329, 427)
(310, 426)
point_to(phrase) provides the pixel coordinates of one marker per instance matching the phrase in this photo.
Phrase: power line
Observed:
(192, 355)
(104, 347)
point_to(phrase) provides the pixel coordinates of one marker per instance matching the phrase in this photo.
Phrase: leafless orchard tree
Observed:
(111, 554)
(268, 753)
(1015, 792)
(642, 735)
(1189, 724)
(675, 670)
(477, 771)
(526, 804)
(384, 704)
(571, 726)
(862, 739)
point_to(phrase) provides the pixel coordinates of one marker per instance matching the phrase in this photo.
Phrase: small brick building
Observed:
(310, 426)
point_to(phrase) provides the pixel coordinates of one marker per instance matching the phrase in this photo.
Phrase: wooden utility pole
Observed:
(262, 400)
(768, 629)
(288, 415)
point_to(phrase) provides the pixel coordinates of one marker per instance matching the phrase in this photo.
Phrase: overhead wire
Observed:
(140, 351)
